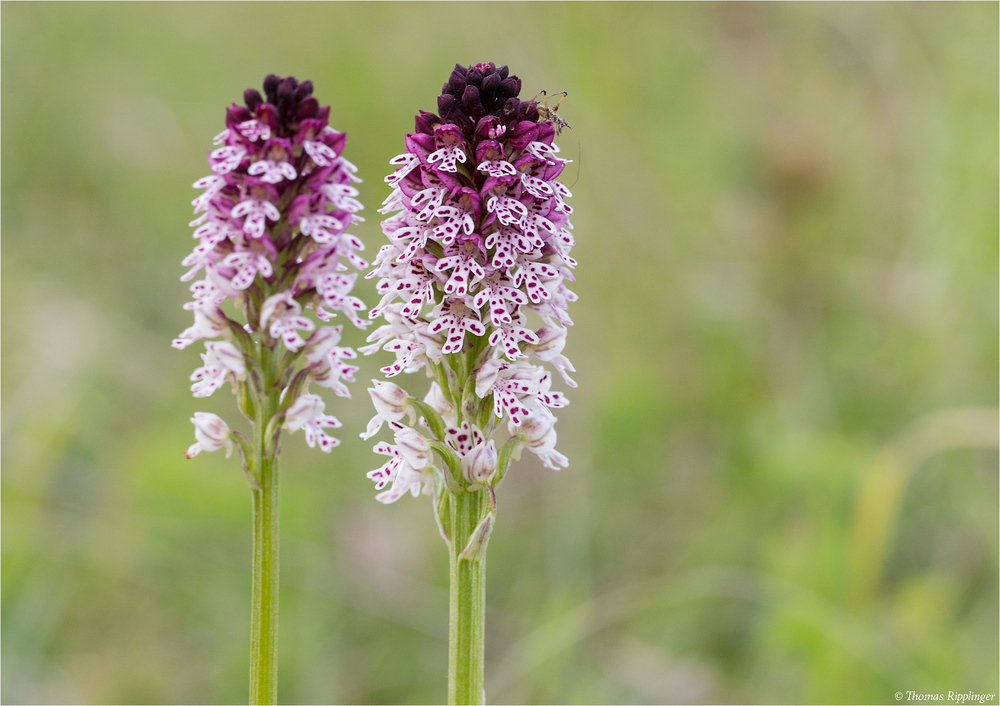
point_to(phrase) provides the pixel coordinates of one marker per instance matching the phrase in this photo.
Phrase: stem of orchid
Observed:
(264, 602)
(467, 620)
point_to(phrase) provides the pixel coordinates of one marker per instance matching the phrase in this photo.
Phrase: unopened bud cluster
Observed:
(473, 286)
(272, 241)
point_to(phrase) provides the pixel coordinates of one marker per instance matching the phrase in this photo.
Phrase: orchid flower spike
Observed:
(474, 289)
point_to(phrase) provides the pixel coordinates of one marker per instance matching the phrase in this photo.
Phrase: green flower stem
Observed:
(264, 602)
(467, 620)
(264, 610)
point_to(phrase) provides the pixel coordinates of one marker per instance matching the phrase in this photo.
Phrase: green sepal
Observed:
(246, 343)
(257, 382)
(245, 400)
(291, 393)
(442, 380)
(453, 478)
(475, 550)
(442, 510)
(434, 420)
(470, 402)
(252, 301)
(286, 366)
(506, 455)
(246, 460)
(271, 434)
(484, 411)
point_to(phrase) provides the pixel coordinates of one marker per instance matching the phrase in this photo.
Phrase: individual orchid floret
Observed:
(391, 402)
(539, 436)
(211, 433)
(282, 316)
(306, 413)
(413, 446)
(480, 463)
(223, 361)
(326, 360)
(399, 472)
(209, 322)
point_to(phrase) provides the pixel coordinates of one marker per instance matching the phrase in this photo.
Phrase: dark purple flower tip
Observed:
(471, 103)
(237, 114)
(268, 114)
(510, 87)
(446, 104)
(546, 133)
(304, 90)
(307, 108)
(335, 141)
(490, 84)
(522, 134)
(421, 145)
(270, 86)
(286, 103)
(252, 98)
(425, 122)
(456, 83)
(479, 90)
(286, 95)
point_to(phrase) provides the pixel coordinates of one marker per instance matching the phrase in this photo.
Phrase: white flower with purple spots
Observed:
(306, 413)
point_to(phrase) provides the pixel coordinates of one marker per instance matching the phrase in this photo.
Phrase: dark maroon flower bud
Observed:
(271, 83)
(307, 108)
(489, 93)
(252, 98)
(425, 122)
(305, 89)
(286, 95)
(471, 103)
(510, 87)
(446, 103)
(456, 84)
(287, 104)
(237, 114)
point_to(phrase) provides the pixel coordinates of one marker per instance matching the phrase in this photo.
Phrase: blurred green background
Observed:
(783, 480)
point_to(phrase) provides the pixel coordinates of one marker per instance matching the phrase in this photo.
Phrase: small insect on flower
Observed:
(551, 113)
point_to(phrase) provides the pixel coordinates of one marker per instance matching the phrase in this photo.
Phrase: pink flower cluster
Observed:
(271, 231)
(473, 280)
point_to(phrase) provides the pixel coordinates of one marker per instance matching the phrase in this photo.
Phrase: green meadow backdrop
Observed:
(783, 483)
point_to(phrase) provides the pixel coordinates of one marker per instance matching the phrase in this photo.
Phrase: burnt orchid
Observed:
(473, 287)
(272, 242)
